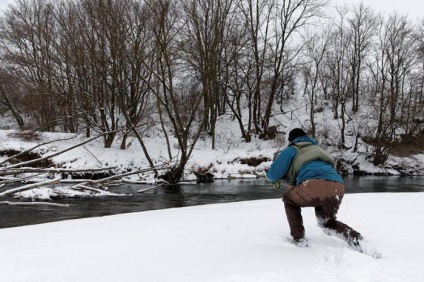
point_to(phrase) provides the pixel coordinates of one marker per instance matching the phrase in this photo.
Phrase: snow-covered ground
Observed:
(245, 241)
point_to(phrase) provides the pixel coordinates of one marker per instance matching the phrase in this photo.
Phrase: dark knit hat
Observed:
(297, 132)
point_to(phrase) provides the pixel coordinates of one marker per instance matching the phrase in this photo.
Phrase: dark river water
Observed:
(220, 191)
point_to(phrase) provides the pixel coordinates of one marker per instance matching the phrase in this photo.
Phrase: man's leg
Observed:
(294, 200)
(294, 217)
(331, 198)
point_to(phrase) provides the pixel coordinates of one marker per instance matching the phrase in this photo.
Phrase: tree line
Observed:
(105, 66)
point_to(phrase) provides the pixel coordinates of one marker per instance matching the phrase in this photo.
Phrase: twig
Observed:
(92, 154)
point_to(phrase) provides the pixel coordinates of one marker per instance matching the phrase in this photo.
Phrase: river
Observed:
(220, 191)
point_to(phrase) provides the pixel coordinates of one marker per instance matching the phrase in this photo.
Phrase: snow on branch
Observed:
(28, 187)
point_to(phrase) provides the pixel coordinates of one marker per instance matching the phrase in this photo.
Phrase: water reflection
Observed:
(221, 191)
(375, 184)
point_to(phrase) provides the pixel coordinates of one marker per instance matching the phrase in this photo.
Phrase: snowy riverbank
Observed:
(223, 242)
(232, 159)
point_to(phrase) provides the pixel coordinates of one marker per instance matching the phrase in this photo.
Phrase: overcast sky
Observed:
(4, 3)
(414, 8)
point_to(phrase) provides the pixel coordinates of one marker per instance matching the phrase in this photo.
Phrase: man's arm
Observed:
(281, 165)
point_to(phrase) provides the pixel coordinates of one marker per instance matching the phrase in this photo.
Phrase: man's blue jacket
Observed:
(315, 169)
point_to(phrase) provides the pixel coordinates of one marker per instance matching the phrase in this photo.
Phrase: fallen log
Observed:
(49, 170)
(91, 189)
(33, 204)
(58, 170)
(117, 176)
(28, 187)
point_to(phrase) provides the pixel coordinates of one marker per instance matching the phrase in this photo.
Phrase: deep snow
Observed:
(245, 241)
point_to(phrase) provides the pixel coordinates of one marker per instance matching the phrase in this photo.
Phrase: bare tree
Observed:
(101, 42)
(316, 49)
(207, 32)
(362, 27)
(416, 106)
(258, 15)
(180, 103)
(272, 27)
(290, 17)
(240, 84)
(392, 64)
(10, 96)
(339, 72)
(27, 34)
(69, 69)
(134, 95)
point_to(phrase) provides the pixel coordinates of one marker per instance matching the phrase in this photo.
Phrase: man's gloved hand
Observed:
(276, 184)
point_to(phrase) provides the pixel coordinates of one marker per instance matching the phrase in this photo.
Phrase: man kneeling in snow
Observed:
(309, 168)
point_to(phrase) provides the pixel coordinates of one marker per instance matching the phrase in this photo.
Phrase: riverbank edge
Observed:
(242, 165)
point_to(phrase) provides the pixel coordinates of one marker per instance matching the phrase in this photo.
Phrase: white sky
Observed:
(4, 3)
(414, 8)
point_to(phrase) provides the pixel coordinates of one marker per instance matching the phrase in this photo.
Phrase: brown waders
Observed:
(326, 196)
